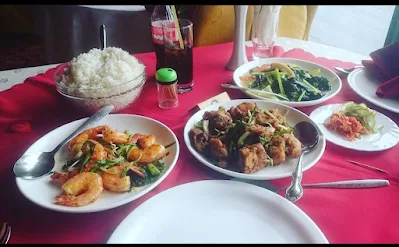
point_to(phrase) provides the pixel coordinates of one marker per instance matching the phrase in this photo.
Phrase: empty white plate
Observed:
(386, 138)
(365, 85)
(217, 211)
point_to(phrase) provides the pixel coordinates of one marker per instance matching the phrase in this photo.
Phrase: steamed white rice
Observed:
(102, 69)
(102, 77)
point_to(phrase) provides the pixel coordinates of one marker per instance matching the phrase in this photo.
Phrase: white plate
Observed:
(335, 81)
(365, 85)
(217, 211)
(268, 173)
(385, 139)
(42, 192)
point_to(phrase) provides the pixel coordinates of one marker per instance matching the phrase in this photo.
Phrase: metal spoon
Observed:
(308, 135)
(103, 37)
(253, 90)
(5, 232)
(348, 71)
(35, 165)
(345, 184)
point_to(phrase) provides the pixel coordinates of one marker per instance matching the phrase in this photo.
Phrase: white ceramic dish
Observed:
(335, 81)
(217, 211)
(365, 85)
(42, 192)
(268, 173)
(385, 139)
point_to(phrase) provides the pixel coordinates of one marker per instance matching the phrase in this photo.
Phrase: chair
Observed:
(214, 24)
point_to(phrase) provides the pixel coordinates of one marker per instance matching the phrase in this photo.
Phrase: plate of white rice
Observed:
(101, 77)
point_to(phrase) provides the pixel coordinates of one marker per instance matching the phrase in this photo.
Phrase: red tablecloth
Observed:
(345, 216)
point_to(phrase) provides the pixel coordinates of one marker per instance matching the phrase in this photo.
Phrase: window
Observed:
(361, 29)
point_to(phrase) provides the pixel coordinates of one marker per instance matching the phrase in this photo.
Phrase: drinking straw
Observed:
(178, 27)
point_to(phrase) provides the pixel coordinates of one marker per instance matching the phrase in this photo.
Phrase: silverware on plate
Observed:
(348, 71)
(5, 232)
(308, 135)
(253, 91)
(37, 164)
(103, 37)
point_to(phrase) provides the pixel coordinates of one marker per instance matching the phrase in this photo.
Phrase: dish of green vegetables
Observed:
(302, 82)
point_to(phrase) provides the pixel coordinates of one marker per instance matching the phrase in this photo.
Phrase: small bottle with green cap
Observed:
(167, 88)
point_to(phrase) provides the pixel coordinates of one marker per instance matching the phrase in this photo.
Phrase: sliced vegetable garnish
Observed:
(242, 138)
(199, 125)
(314, 72)
(153, 169)
(301, 96)
(280, 84)
(84, 162)
(169, 145)
(128, 132)
(310, 85)
(362, 113)
(124, 171)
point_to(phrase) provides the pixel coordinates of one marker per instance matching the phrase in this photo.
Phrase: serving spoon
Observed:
(37, 164)
(308, 135)
(348, 71)
(243, 89)
(103, 37)
(5, 232)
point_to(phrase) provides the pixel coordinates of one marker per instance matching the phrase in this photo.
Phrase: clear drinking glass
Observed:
(264, 30)
(179, 56)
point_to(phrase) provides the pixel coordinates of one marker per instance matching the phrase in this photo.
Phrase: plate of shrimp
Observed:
(113, 163)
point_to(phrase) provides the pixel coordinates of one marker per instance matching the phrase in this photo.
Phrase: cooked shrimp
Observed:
(75, 145)
(98, 150)
(88, 166)
(135, 154)
(145, 141)
(115, 137)
(134, 138)
(148, 154)
(81, 190)
(113, 181)
(62, 177)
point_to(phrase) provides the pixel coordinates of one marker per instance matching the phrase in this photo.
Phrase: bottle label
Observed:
(158, 35)
(157, 32)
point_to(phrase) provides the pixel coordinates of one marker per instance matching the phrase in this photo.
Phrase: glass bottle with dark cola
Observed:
(159, 14)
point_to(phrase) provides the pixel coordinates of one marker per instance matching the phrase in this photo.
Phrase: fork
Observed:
(348, 71)
(5, 232)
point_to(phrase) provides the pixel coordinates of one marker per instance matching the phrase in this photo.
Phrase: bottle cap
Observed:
(166, 76)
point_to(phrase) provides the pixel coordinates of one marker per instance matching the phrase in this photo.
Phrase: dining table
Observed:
(343, 215)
